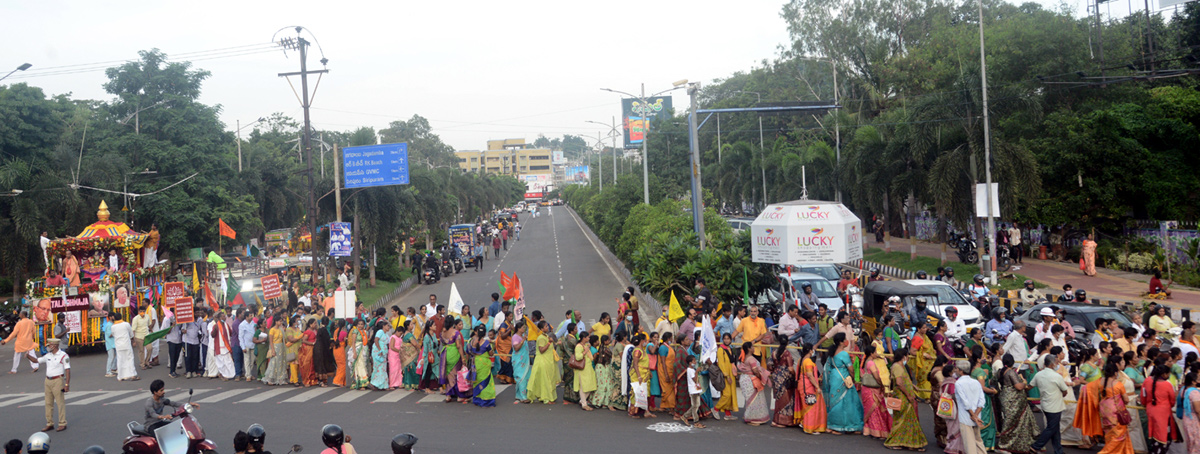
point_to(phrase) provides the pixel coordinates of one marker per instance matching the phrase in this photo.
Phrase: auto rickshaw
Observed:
(876, 294)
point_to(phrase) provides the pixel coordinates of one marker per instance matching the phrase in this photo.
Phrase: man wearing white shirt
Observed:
(969, 398)
(45, 242)
(431, 308)
(1016, 346)
(790, 322)
(246, 343)
(58, 381)
(955, 327)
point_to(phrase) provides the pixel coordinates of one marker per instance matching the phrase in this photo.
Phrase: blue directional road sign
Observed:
(375, 165)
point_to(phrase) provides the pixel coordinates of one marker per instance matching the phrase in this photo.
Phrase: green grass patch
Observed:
(371, 295)
(962, 271)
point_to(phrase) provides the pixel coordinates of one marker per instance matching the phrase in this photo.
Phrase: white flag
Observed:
(456, 301)
(497, 321)
(708, 342)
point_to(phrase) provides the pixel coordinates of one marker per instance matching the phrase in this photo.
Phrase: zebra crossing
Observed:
(255, 395)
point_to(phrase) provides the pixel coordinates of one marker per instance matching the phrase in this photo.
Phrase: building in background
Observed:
(533, 166)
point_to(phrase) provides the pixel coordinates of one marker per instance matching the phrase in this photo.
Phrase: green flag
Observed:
(231, 288)
(156, 335)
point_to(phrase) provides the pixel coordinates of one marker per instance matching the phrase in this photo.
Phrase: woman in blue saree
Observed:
(428, 367)
(845, 409)
(484, 387)
(379, 355)
(520, 362)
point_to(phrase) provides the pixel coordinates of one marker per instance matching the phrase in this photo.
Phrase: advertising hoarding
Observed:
(375, 165)
(578, 175)
(806, 232)
(340, 244)
(557, 157)
(535, 183)
(637, 116)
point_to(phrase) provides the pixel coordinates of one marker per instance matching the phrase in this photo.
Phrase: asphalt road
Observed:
(560, 269)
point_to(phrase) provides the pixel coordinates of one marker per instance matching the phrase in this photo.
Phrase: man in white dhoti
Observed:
(156, 324)
(45, 242)
(222, 348)
(122, 333)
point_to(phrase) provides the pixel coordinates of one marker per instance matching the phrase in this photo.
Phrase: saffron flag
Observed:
(225, 229)
(195, 280)
(212, 300)
(675, 312)
(237, 300)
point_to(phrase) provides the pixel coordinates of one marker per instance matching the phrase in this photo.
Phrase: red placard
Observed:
(80, 302)
(172, 292)
(270, 286)
(185, 311)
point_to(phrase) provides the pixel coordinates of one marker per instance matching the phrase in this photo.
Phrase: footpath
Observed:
(1105, 285)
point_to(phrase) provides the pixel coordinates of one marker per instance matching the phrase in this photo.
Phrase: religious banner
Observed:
(172, 292)
(270, 286)
(73, 321)
(81, 302)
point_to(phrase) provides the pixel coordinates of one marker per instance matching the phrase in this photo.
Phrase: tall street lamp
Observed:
(761, 146)
(987, 150)
(837, 124)
(19, 68)
(239, 138)
(646, 135)
(614, 132)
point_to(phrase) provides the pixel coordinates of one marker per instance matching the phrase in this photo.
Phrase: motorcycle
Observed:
(447, 268)
(966, 251)
(1003, 258)
(8, 321)
(430, 275)
(954, 239)
(183, 435)
(458, 265)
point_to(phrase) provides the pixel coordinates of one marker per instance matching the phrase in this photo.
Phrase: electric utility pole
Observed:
(300, 44)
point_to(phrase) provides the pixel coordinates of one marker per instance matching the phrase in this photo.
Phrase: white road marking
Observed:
(263, 396)
(23, 398)
(308, 395)
(597, 249)
(561, 297)
(222, 396)
(393, 396)
(102, 396)
(432, 398)
(501, 388)
(69, 396)
(182, 396)
(349, 396)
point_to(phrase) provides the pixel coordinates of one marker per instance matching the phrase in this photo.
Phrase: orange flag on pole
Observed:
(225, 229)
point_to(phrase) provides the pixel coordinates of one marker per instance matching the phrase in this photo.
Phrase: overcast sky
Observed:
(477, 70)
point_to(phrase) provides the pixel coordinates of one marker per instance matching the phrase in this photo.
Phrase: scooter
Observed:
(183, 435)
(458, 265)
(429, 275)
(447, 268)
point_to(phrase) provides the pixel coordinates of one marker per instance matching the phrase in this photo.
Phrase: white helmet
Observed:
(39, 442)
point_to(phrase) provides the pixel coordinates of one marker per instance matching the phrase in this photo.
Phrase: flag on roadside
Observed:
(745, 286)
(237, 300)
(226, 231)
(212, 300)
(675, 312)
(232, 289)
(195, 280)
(455, 303)
(520, 307)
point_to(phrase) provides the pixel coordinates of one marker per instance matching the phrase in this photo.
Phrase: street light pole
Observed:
(646, 134)
(694, 143)
(987, 150)
(239, 139)
(19, 68)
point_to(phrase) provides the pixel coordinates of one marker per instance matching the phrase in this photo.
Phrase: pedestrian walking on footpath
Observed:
(22, 333)
(58, 382)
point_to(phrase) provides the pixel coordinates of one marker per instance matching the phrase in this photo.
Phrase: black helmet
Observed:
(94, 449)
(257, 434)
(951, 309)
(332, 435)
(949, 271)
(978, 278)
(921, 274)
(403, 443)
(805, 285)
(1029, 282)
(874, 270)
(1081, 296)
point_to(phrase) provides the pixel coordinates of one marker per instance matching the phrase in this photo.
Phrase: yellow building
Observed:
(507, 157)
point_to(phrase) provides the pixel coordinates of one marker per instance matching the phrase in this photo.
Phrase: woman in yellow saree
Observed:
(921, 361)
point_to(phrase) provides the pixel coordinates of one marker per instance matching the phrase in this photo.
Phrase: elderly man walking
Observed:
(23, 334)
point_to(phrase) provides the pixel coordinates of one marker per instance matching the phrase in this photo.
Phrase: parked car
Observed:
(739, 225)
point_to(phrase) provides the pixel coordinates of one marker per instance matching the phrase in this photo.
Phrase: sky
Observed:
(478, 70)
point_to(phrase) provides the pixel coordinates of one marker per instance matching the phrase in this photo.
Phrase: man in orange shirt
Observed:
(753, 329)
(23, 333)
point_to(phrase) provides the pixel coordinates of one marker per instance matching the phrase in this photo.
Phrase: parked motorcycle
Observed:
(954, 239)
(8, 321)
(183, 435)
(966, 251)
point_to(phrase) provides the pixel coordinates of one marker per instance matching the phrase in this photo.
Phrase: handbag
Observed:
(573, 363)
(892, 403)
(1082, 264)
(639, 395)
(1115, 406)
(945, 407)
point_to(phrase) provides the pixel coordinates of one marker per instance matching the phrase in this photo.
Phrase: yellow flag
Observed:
(534, 332)
(195, 280)
(676, 312)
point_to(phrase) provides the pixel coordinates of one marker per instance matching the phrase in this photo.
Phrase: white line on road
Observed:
(393, 396)
(101, 397)
(597, 249)
(562, 298)
(349, 396)
(222, 396)
(308, 395)
(21, 399)
(182, 396)
(432, 398)
(69, 396)
(263, 396)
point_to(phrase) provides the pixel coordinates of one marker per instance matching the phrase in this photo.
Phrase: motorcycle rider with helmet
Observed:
(977, 288)
(1030, 295)
(949, 277)
(1081, 296)
(256, 436)
(922, 275)
(39, 443)
(955, 327)
(875, 275)
(403, 443)
(998, 327)
(336, 441)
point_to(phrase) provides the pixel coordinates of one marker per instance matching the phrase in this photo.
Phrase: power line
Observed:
(189, 56)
